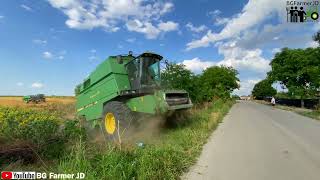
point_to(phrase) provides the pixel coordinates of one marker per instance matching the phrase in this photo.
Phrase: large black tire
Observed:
(123, 119)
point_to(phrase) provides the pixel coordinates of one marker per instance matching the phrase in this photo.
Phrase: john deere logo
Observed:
(302, 11)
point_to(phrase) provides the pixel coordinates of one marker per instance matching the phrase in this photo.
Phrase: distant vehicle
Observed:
(245, 98)
(34, 98)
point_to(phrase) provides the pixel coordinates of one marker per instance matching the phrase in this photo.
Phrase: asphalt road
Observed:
(258, 142)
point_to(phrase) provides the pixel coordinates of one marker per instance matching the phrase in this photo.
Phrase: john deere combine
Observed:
(34, 98)
(122, 85)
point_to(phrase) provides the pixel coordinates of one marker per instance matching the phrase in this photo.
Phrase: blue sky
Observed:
(50, 46)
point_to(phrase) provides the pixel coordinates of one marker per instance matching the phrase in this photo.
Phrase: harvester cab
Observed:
(144, 72)
(125, 84)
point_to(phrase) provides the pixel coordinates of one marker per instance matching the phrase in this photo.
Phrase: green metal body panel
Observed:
(26, 98)
(107, 83)
(154, 104)
(151, 104)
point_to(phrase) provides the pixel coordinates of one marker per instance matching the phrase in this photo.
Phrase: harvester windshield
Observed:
(144, 71)
(150, 71)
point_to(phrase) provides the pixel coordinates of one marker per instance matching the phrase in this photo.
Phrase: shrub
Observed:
(42, 131)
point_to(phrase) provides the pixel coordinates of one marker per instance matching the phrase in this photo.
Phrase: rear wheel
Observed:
(116, 121)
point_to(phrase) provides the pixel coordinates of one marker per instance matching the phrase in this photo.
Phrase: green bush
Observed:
(27, 124)
(42, 130)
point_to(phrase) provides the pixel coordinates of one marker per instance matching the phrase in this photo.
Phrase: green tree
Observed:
(298, 70)
(176, 76)
(316, 37)
(77, 90)
(263, 89)
(219, 81)
(213, 82)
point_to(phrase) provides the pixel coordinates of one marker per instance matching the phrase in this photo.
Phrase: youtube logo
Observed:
(6, 175)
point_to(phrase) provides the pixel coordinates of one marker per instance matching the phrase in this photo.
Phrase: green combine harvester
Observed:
(122, 87)
(34, 98)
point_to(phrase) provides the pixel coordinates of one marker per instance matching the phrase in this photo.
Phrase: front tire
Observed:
(116, 121)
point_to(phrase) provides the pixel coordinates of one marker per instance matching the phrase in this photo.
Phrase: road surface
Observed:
(258, 142)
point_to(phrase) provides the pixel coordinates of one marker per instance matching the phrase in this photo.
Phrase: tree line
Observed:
(214, 82)
(297, 70)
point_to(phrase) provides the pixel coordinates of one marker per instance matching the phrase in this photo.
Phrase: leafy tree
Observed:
(316, 37)
(263, 89)
(77, 90)
(214, 82)
(219, 81)
(235, 97)
(176, 76)
(298, 70)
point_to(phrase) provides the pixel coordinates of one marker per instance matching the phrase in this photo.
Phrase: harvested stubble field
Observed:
(17, 101)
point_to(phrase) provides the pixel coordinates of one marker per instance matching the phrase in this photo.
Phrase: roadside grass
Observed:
(175, 151)
(166, 157)
(312, 114)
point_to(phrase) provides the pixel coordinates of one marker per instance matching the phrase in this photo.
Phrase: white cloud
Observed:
(276, 38)
(37, 85)
(47, 55)
(249, 61)
(279, 35)
(138, 15)
(197, 65)
(198, 29)
(60, 57)
(217, 20)
(242, 59)
(253, 13)
(150, 31)
(317, 26)
(214, 13)
(246, 86)
(312, 44)
(93, 51)
(25, 7)
(131, 40)
(221, 21)
(168, 26)
(1, 17)
(146, 28)
(39, 41)
(275, 50)
(92, 58)
(20, 84)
